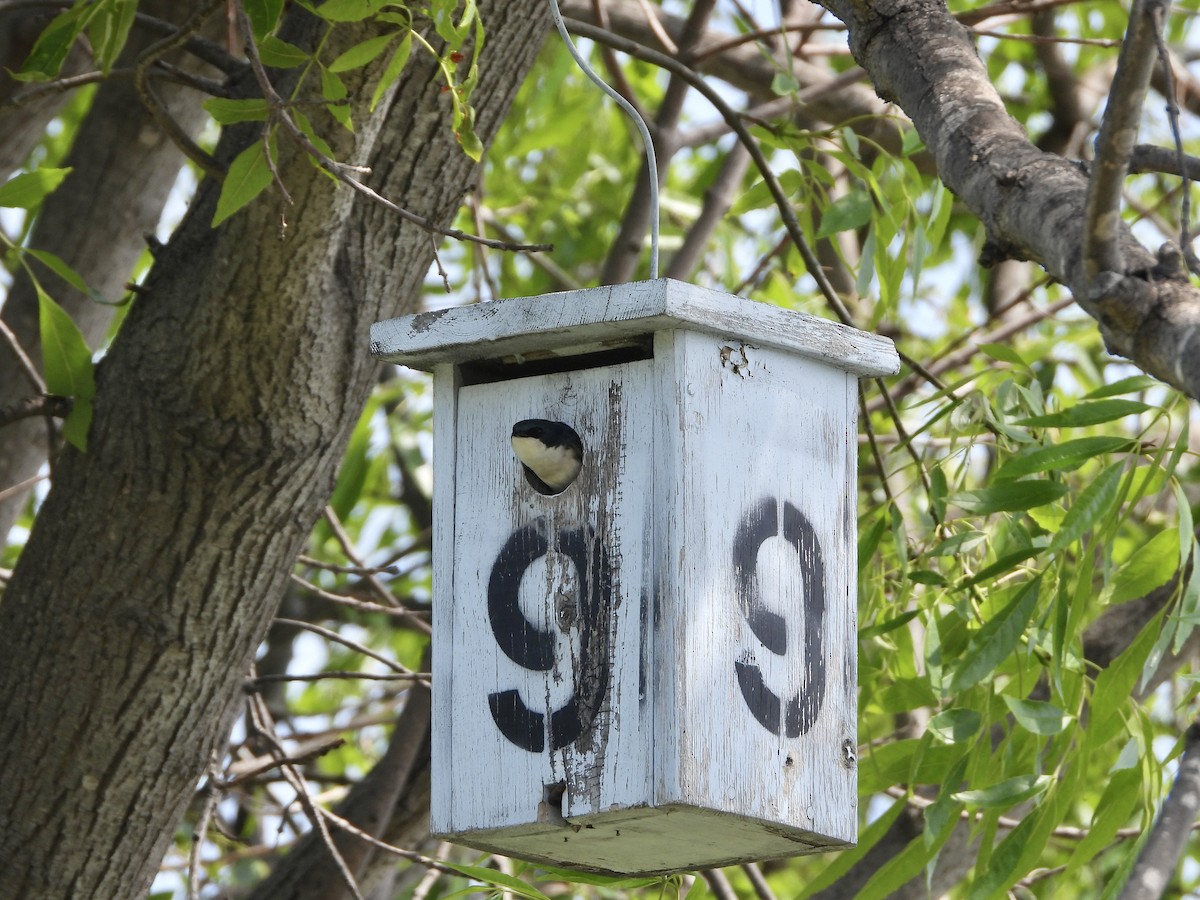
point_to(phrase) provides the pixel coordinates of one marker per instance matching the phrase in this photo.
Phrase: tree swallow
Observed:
(550, 452)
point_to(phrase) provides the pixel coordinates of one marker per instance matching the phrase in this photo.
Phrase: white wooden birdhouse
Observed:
(653, 669)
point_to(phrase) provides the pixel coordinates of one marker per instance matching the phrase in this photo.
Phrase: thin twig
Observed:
(30, 370)
(398, 612)
(338, 822)
(212, 797)
(1118, 135)
(762, 890)
(419, 677)
(425, 885)
(1158, 14)
(277, 762)
(261, 719)
(151, 100)
(21, 486)
(865, 421)
(1044, 39)
(346, 642)
(348, 570)
(656, 27)
(45, 405)
(339, 170)
(160, 71)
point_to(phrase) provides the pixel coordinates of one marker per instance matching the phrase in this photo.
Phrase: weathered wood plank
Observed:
(595, 316)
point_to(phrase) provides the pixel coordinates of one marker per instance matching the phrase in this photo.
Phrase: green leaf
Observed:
(1067, 456)
(846, 213)
(1090, 507)
(393, 69)
(1186, 527)
(1113, 810)
(759, 195)
(914, 761)
(1151, 565)
(992, 643)
(881, 628)
(108, 30)
(76, 424)
(1012, 496)
(1036, 715)
(847, 859)
(227, 112)
(1113, 690)
(955, 725)
(612, 881)
(280, 54)
(361, 54)
(499, 879)
(467, 138)
(959, 543)
(899, 870)
(27, 190)
(66, 359)
(784, 83)
(1005, 793)
(263, 15)
(59, 267)
(319, 142)
(54, 43)
(355, 462)
(1004, 353)
(248, 176)
(1091, 412)
(66, 366)
(349, 10)
(1124, 386)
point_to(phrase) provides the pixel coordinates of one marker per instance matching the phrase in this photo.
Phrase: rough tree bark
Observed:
(123, 167)
(221, 415)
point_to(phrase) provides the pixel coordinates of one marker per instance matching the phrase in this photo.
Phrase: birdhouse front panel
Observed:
(548, 634)
(758, 660)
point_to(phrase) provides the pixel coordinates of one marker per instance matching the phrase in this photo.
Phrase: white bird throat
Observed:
(557, 466)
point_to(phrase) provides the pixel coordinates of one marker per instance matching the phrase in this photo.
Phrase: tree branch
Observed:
(1153, 871)
(1118, 134)
(42, 405)
(1031, 202)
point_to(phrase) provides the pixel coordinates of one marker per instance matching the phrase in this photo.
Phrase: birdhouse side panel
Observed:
(445, 401)
(548, 710)
(761, 589)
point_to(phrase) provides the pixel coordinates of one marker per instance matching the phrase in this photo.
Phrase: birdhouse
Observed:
(650, 668)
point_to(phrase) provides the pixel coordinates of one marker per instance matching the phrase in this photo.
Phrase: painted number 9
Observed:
(794, 715)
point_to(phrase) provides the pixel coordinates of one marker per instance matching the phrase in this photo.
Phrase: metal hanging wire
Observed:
(647, 141)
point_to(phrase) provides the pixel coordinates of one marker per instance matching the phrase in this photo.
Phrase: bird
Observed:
(550, 452)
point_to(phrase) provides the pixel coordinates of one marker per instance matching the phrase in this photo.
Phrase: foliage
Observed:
(1015, 488)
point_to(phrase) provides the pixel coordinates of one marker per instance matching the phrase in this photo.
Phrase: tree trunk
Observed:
(221, 414)
(123, 167)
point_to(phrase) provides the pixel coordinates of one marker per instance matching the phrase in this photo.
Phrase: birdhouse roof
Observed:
(572, 322)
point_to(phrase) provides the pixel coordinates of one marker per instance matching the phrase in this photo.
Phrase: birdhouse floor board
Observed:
(634, 842)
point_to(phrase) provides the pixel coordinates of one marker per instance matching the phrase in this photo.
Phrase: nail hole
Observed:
(551, 453)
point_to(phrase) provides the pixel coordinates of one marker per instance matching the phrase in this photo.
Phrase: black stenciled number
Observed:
(796, 715)
(533, 649)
